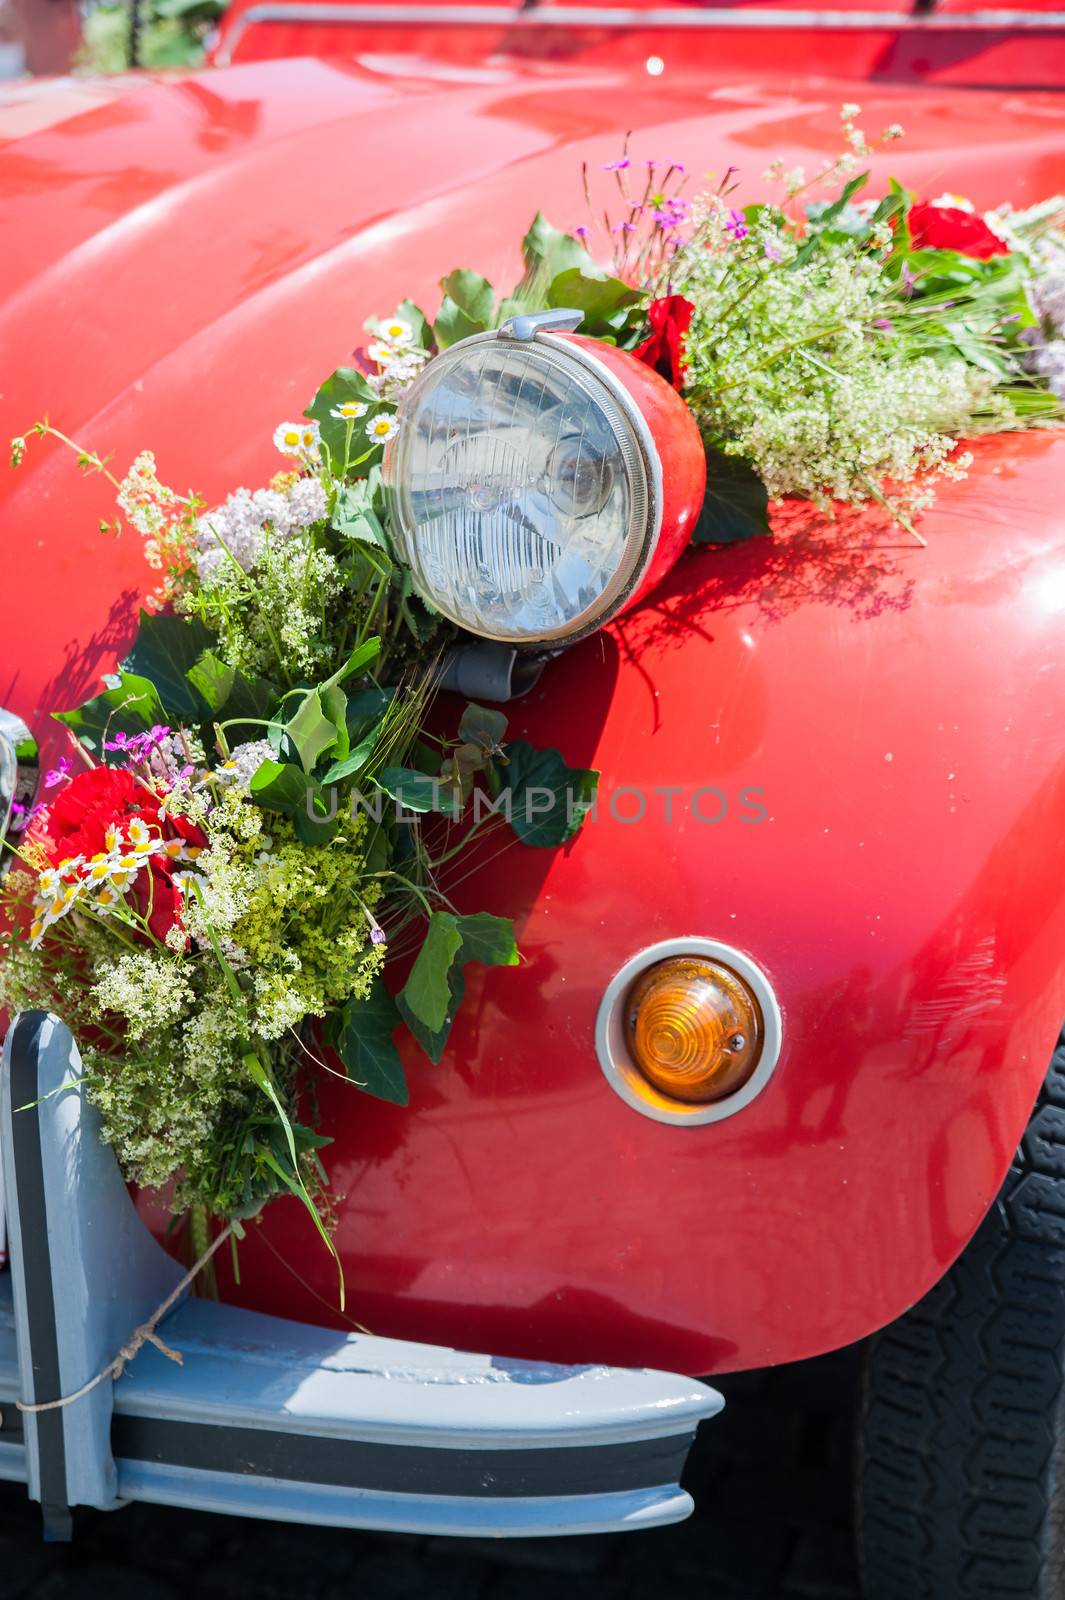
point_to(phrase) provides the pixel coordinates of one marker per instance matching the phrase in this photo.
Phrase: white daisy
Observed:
(397, 331)
(299, 439)
(381, 352)
(349, 411)
(383, 427)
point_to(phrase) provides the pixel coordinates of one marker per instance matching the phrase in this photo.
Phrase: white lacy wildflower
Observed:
(244, 761)
(1048, 360)
(239, 528)
(147, 504)
(149, 990)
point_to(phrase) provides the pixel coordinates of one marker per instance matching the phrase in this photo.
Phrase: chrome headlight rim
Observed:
(645, 520)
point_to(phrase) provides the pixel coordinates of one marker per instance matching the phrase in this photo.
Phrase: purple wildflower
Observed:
(909, 282)
(119, 742)
(616, 166)
(581, 232)
(58, 773)
(737, 225)
(772, 252)
(884, 323)
(624, 227)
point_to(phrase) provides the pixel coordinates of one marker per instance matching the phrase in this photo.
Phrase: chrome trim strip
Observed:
(612, 1049)
(365, 14)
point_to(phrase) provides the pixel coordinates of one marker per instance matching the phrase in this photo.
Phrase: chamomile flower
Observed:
(144, 843)
(349, 411)
(50, 884)
(381, 352)
(298, 439)
(396, 331)
(382, 428)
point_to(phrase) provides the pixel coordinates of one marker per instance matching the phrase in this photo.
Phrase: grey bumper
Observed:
(278, 1419)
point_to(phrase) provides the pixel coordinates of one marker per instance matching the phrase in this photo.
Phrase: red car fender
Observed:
(836, 751)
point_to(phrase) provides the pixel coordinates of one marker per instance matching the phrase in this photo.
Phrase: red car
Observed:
(841, 775)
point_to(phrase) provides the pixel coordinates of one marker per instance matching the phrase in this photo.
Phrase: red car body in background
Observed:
(863, 738)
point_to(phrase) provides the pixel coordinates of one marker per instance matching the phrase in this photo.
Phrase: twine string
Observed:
(145, 1334)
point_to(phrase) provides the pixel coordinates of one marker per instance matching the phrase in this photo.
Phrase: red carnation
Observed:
(77, 821)
(670, 320)
(951, 228)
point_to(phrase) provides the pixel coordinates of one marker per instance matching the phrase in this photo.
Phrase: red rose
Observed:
(670, 320)
(950, 228)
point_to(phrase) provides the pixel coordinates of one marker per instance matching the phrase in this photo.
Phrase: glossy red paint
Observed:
(185, 260)
(680, 450)
(676, 41)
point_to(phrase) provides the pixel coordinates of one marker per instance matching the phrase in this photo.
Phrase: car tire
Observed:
(960, 1478)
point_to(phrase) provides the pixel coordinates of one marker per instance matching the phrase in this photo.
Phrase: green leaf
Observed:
(220, 686)
(417, 791)
(483, 726)
(354, 517)
(345, 384)
(323, 825)
(604, 300)
(163, 651)
(736, 505)
(488, 939)
(310, 730)
(132, 706)
(279, 786)
(357, 756)
(827, 218)
(547, 252)
(319, 722)
(481, 938)
(544, 800)
(361, 1034)
(426, 993)
(467, 308)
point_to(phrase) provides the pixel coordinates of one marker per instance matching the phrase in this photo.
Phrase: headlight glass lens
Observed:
(519, 490)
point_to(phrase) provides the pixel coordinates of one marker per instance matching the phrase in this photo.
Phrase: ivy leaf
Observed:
(605, 301)
(317, 820)
(468, 307)
(279, 786)
(480, 937)
(488, 939)
(547, 252)
(426, 993)
(219, 685)
(482, 725)
(361, 1034)
(319, 722)
(356, 758)
(736, 505)
(417, 791)
(131, 706)
(544, 800)
(163, 651)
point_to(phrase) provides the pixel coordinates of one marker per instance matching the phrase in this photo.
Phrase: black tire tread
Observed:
(960, 1484)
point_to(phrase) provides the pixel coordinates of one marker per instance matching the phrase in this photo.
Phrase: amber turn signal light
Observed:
(695, 1030)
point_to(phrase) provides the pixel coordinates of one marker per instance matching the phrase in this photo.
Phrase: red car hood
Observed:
(185, 259)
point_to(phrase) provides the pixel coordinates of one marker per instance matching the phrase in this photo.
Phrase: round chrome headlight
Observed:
(526, 484)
